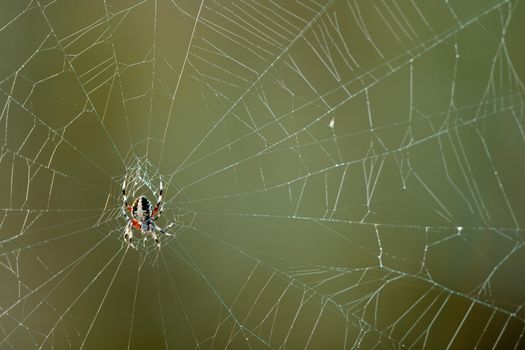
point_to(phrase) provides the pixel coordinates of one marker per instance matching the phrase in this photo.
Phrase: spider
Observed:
(142, 216)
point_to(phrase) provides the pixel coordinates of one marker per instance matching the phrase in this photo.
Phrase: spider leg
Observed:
(128, 234)
(135, 223)
(157, 210)
(125, 199)
(154, 235)
(124, 214)
(154, 228)
(158, 229)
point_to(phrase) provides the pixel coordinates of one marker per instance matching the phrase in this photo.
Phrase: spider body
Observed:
(143, 216)
(141, 209)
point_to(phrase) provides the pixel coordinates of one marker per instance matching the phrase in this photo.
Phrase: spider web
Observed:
(338, 174)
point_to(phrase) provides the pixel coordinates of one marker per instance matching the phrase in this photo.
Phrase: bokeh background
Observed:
(338, 174)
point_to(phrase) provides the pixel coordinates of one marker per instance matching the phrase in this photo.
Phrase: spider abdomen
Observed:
(141, 208)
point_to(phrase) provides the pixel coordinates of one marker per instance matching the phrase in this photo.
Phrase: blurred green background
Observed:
(338, 174)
